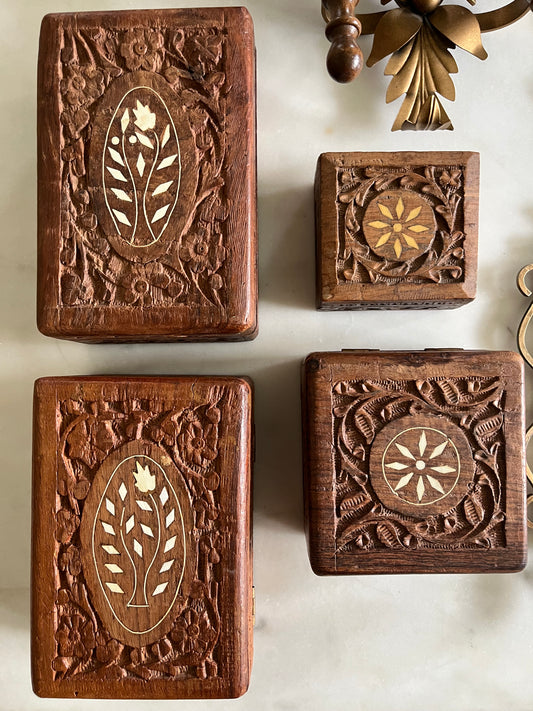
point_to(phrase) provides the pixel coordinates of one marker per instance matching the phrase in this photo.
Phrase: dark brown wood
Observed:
(345, 59)
(414, 462)
(141, 537)
(147, 176)
(396, 230)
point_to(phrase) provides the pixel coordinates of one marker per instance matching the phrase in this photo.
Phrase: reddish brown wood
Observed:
(141, 537)
(396, 230)
(147, 178)
(414, 462)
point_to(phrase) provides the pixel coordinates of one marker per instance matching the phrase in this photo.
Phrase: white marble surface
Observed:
(385, 644)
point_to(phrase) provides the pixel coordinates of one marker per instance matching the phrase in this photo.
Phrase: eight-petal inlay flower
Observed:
(399, 225)
(421, 470)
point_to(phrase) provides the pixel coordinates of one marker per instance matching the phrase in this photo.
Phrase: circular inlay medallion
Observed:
(399, 225)
(421, 465)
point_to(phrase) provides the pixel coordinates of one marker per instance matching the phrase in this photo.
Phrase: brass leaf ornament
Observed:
(418, 36)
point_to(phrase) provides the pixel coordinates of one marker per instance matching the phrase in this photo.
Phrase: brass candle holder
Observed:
(418, 36)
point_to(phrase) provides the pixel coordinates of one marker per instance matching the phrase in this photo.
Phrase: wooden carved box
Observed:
(146, 176)
(396, 230)
(141, 537)
(414, 462)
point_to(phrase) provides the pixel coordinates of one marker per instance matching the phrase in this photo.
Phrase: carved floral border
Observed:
(441, 186)
(362, 408)
(89, 432)
(191, 60)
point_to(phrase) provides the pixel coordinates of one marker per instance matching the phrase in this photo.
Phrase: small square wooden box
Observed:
(396, 230)
(147, 176)
(414, 462)
(141, 537)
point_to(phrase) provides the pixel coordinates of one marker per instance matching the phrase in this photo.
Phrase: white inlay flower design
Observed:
(144, 118)
(138, 531)
(141, 167)
(421, 465)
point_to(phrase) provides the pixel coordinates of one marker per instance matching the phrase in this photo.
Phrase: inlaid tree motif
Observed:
(142, 534)
(142, 167)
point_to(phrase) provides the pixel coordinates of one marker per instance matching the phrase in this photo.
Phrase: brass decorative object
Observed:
(528, 357)
(418, 35)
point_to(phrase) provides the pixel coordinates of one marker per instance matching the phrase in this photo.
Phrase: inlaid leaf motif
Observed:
(141, 152)
(144, 140)
(147, 530)
(162, 188)
(140, 164)
(117, 174)
(110, 549)
(167, 161)
(121, 195)
(121, 217)
(169, 545)
(160, 213)
(159, 589)
(166, 566)
(115, 155)
(114, 568)
(115, 587)
(165, 136)
(108, 528)
(124, 121)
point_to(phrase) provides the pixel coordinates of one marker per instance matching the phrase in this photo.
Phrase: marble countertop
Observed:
(380, 643)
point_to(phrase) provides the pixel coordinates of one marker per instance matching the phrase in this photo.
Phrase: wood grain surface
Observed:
(147, 176)
(414, 462)
(396, 230)
(141, 537)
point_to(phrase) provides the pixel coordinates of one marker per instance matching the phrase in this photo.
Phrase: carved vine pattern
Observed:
(442, 187)
(192, 63)
(89, 432)
(362, 408)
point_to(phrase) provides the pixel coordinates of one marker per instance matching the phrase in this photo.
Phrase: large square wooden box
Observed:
(141, 537)
(414, 462)
(147, 176)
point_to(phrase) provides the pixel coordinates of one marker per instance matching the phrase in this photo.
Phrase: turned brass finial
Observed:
(345, 59)
(417, 36)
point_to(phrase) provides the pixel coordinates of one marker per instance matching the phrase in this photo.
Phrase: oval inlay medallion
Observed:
(421, 465)
(142, 166)
(399, 225)
(137, 549)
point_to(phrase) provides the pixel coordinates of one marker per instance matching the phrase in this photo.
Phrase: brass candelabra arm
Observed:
(417, 35)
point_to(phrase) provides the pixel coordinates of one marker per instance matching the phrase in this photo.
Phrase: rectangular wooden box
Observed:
(396, 230)
(414, 462)
(141, 537)
(147, 176)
